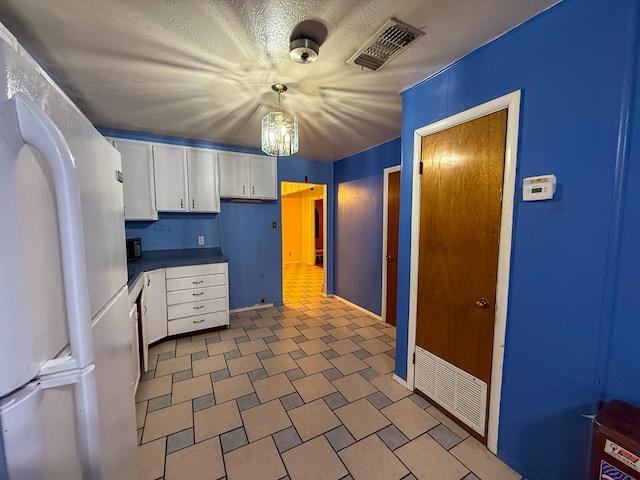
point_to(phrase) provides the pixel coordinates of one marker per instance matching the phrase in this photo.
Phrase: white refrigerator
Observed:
(66, 397)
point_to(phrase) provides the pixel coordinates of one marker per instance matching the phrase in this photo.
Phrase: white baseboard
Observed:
(258, 306)
(357, 307)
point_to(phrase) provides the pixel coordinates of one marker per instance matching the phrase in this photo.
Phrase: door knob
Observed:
(482, 303)
(389, 258)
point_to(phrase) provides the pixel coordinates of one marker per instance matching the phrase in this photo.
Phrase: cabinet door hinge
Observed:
(414, 358)
(421, 165)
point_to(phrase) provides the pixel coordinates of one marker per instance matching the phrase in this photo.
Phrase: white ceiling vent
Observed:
(386, 44)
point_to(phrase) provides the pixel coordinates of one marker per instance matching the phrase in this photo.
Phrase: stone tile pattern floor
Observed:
(302, 391)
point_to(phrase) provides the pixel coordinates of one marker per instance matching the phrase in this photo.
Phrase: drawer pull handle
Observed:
(199, 321)
(198, 282)
(198, 307)
(197, 294)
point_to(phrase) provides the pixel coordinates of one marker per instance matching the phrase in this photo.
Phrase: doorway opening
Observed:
(419, 372)
(303, 241)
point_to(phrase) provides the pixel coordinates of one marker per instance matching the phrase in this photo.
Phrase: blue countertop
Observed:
(154, 259)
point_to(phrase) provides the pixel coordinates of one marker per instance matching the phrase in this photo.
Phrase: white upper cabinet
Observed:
(263, 177)
(170, 163)
(234, 174)
(202, 180)
(159, 177)
(138, 187)
(247, 176)
(186, 179)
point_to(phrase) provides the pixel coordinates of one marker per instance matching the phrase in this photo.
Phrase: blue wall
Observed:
(572, 322)
(176, 230)
(358, 224)
(254, 252)
(243, 230)
(622, 377)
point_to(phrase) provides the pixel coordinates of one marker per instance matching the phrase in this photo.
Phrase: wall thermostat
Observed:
(538, 188)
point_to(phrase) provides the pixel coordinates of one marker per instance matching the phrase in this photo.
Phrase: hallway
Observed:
(300, 283)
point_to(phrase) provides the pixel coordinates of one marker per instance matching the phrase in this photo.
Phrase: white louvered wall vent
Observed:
(387, 43)
(462, 394)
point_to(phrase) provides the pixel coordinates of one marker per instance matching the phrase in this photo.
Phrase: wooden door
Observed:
(393, 215)
(460, 209)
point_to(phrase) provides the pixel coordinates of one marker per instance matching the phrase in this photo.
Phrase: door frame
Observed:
(511, 102)
(326, 253)
(324, 234)
(308, 241)
(385, 224)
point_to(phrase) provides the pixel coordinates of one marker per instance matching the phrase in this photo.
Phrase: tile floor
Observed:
(297, 392)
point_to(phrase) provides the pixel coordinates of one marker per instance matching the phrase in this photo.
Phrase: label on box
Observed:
(609, 472)
(622, 455)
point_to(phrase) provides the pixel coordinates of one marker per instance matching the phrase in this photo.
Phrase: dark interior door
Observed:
(393, 214)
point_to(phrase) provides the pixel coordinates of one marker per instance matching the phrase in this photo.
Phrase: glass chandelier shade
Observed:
(279, 134)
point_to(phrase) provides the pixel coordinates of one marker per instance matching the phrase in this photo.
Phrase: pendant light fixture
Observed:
(279, 135)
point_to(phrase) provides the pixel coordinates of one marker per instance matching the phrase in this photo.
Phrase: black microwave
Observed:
(134, 249)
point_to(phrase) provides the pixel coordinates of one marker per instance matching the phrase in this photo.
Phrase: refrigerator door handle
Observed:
(86, 414)
(39, 131)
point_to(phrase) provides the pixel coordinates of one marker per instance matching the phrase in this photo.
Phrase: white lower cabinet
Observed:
(198, 322)
(153, 304)
(154, 308)
(181, 300)
(197, 297)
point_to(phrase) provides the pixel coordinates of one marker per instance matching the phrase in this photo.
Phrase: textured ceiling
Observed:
(203, 69)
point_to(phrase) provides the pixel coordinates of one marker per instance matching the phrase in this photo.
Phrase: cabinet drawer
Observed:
(196, 295)
(188, 283)
(196, 270)
(196, 308)
(198, 322)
